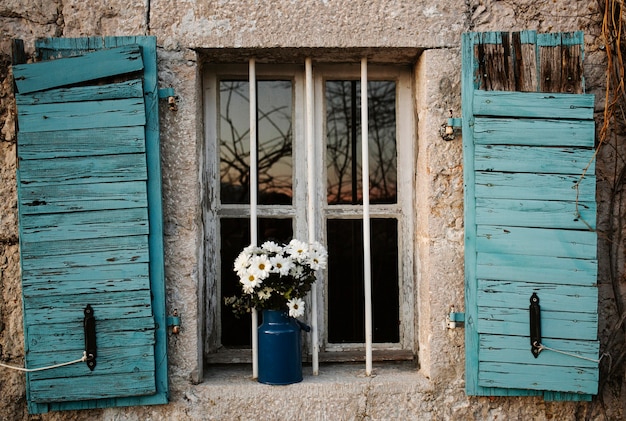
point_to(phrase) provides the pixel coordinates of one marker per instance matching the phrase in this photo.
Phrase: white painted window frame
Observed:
(403, 210)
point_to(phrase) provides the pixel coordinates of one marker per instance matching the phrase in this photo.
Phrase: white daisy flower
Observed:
(281, 264)
(317, 260)
(242, 263)
(296, 307)
(262, 265)
(249, 281)
(297, 249)
(271, 247)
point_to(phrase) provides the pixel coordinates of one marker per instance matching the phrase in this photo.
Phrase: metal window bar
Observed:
(253, 202)
(366, 219)
(310, 144)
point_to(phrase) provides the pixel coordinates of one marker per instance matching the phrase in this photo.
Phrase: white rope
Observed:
(30, 370)
(542, 347)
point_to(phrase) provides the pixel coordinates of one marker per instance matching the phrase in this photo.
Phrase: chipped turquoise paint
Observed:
(528, 229)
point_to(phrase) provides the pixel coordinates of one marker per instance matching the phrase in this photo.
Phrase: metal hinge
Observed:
(455, 319)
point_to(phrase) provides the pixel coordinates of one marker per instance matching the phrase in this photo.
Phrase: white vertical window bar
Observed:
(367, 276)
(310, 144)
(253, 202)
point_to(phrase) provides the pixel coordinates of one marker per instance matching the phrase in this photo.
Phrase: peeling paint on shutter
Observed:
(90, 222)
(530, 219)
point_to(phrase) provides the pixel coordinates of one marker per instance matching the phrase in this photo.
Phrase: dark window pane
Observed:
(235, 235)
(274, 127)
(343, 142)
(346, 308)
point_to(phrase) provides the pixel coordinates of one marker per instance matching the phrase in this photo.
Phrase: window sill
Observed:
(244, 356)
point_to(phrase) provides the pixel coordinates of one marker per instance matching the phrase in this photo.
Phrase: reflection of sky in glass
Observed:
(343, 141)
(274, 128)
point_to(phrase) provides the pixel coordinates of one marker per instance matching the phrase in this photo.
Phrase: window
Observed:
(282, 195)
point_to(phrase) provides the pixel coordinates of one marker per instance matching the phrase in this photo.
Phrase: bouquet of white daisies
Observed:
(276, 277)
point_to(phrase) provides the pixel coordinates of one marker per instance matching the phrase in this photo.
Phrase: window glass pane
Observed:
(343, 147)
(346, 308)
(235, 235)
(274, 127)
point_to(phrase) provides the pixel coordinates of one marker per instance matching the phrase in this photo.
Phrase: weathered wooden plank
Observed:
(537, 269)
(554, 324)
(534, 186)
(55, 48)
(525, 60)
(110, 360)
(69, 335)
(82, 115)
(40, 199)
(495, 63)
(63, 72)
(134, 270)
(83, 225)
(534, 132)
(534, 159)
(553, 297)
(129, 89)
(86, 142)
(494, 348)
(116, 305)
(536, 213)
(114, 278)
(536, 242)
(561, 58)
(532, 104)
(47, 258)
(84, 170)
(62, 389)
(567, 379)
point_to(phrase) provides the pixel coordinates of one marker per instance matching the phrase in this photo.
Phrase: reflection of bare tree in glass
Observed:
(343, 141)
(274, 147)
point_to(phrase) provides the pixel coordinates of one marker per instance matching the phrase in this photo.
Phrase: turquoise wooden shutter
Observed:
(89, 197)
(530, 218)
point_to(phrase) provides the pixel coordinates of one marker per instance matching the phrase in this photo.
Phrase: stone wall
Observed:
(183, 28)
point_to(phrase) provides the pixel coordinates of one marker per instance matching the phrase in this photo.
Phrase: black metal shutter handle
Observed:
(535, 325)
(89, 325)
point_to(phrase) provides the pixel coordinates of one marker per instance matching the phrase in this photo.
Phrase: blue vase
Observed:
(280, 353)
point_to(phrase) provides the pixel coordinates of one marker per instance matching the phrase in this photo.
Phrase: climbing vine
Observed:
(612, 174)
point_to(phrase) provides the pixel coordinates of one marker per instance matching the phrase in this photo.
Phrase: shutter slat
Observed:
(39, 199)
(128, 89)
(574, 379)
(517, 350)
(554, 324)
(86, 142)
(82, 115)
(84, 170)
(536, 242)
(516, 295)
(83, 225)
(536, 213)
(52, 257)
(534, 186)
(114, 305)
(123, 333)
(107, 386)
(531, 104)
(534, 132)
(552, 160)
(55, 73)
(80, 280)
(137, 359)
(539, 268)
